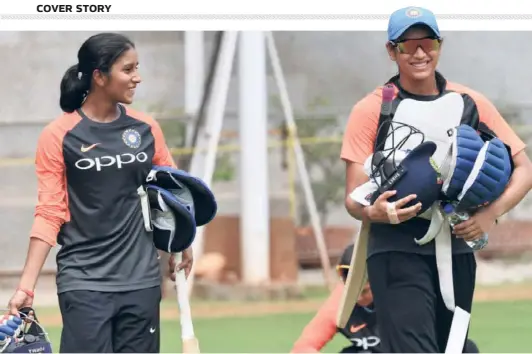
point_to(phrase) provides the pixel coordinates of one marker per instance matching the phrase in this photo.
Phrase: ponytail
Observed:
(73, 89)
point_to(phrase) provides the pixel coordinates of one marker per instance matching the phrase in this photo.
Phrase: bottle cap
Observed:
(448, 208)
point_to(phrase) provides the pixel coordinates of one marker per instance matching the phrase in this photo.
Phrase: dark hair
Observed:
(99, 52)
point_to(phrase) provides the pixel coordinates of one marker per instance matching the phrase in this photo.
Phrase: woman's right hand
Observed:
(378, 211)
(20, 299)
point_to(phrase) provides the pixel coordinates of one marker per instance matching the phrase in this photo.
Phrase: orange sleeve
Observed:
(52, 206)
(322, 328)
(361, 130)
(163, 156)
(489, 115)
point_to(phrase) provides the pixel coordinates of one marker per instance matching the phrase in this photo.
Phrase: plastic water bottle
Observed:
(456, 218)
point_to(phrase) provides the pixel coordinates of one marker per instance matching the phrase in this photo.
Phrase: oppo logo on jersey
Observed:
(366, 342)
(101, 162)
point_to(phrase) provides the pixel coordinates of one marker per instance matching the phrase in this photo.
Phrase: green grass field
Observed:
(496, 327)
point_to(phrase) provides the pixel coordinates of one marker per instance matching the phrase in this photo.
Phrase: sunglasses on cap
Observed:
(410, 46)
(342, 271)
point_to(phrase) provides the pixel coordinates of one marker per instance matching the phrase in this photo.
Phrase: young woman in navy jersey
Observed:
(89, 163)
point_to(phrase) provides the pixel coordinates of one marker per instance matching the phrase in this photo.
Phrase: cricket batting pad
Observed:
(356, 278)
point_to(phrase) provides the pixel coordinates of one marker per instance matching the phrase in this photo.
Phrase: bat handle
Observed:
(191, 346)
(185, 316)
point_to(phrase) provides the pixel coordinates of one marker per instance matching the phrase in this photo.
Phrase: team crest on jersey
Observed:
(131, 138)
(413, 12)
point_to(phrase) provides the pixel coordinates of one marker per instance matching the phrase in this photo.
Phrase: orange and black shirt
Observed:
(88, 174)
(361, 329)
(358, 143)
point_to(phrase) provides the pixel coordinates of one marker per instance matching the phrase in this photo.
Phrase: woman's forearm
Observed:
(38, 251)
(356, 210)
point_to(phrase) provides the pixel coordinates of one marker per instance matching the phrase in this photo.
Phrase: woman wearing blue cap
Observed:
(412, 315)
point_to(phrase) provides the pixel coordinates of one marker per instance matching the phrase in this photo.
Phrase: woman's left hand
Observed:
(479, 223)
(185, 264)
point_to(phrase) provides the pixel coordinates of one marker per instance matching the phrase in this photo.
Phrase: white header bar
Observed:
(318, 15)
(268, 7)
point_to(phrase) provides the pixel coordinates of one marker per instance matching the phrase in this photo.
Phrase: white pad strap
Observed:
(7, 342)
(440, 230)
(458, 332)
(145, 206)
(392, 213)
(448, 165)
(479, 163)
(444, 262)
(437, 220)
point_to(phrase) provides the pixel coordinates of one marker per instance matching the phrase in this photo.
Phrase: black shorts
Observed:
(104, 322)
(411, 314)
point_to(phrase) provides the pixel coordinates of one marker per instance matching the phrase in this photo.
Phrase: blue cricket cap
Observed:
(402, 19)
